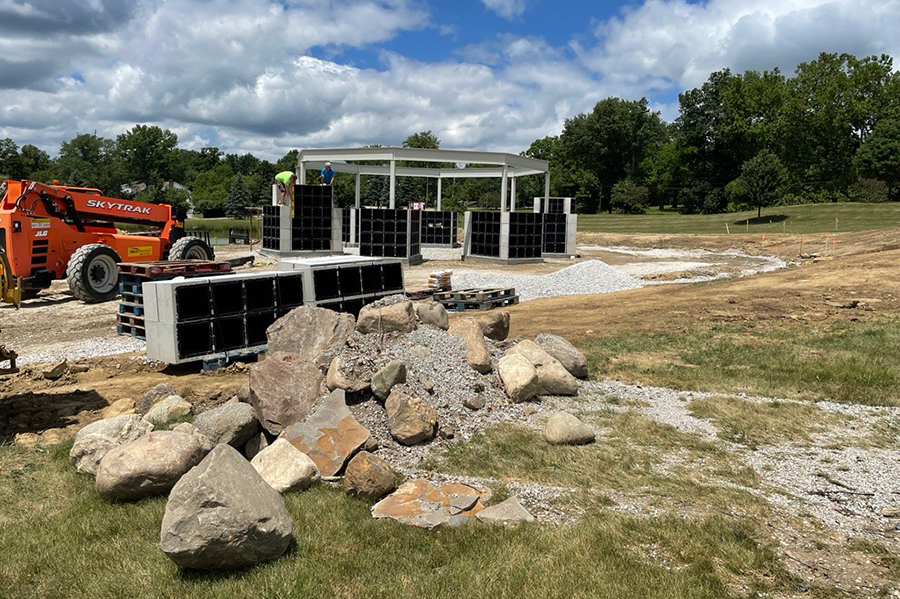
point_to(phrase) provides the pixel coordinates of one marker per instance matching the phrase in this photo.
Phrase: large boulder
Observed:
(508, 513)
(410, 419)
(478, 356)
(565, 429)
(393, 373)
(283, 390)
(222, 514)
(369, 476)
(167, 411)
(395, 318)
(96, 439)
(429, 505)
(330, 436)
(553, 378)
(567, 354)
(519, 376)
(433, 313)
(285, 467)
(312, 333)
(337, 378)
(149, 466)
(494, 324)
(232, 423)
(160, 391)
(187, 428)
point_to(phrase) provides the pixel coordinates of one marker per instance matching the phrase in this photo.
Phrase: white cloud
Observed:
(508, 9)
(241, 74)
(677, 44)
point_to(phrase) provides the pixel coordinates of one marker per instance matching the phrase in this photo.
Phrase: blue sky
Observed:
(266, 76)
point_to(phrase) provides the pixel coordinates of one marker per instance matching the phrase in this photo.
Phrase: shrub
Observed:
(628, 198)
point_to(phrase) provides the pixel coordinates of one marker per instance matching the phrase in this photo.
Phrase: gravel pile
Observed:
(444, 369)
(79, 350)
(590, 276)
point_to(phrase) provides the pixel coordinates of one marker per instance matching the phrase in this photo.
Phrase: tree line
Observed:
(831, 132)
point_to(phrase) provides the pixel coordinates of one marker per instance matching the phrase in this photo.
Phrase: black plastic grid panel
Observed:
(555, 233)
(311, 223)
(271, 228)
(227, 316)
(525, 235)
(485, 234)
(389, 233)
(439, 228)
(554, 206)
(345, 225)
(415, 232)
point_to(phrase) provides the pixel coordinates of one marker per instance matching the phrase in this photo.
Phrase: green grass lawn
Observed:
(59, 539)
(809, 218)
(220, 226)
(850, 362)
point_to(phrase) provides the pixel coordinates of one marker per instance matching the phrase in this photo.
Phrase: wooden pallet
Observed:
(172, 268)
(132, 298)
(131, 308)
(474, 295)
(489, 304)
(131, 331)
(130, 320)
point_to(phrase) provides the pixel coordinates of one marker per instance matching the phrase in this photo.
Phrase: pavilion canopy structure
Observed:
(507, 167)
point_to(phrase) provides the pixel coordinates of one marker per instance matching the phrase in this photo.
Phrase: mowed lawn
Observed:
(809, 218)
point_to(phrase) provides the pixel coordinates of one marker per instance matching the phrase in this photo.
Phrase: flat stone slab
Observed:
(509, 512)
(427, 505)
(330, 436)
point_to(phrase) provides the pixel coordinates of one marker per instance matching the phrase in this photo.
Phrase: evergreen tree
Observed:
(238, 199)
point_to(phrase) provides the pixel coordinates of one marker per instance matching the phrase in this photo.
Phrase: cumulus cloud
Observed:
(508, 9)
(675, 43)
(249, 75)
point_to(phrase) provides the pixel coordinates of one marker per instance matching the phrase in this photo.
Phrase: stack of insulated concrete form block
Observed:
(505, 237)
(391, 233)
(312, 226)
(346, 283)
(560, 226)
(207, 318)
(350, 226)
(553, 205)
(439, 228)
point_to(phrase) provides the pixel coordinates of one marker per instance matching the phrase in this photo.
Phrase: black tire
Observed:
(92, 273)
(191, 248)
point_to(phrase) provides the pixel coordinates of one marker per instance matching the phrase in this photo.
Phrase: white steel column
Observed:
(503, 189)
(393, 186)
(439, 194)
(546, 188)
(357, 191)
(512, 194)
(301, 174)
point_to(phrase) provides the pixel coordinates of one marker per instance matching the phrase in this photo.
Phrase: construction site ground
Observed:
(828, 279)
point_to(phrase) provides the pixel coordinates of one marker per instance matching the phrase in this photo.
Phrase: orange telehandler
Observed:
(48, 232)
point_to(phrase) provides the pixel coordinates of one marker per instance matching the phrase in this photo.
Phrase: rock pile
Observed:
(336, 399)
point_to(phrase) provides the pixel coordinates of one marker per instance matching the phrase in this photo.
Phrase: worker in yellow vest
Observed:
(285, 181)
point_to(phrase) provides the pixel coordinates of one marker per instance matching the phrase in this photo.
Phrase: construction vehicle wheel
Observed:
(191, 248)
(92, 273)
